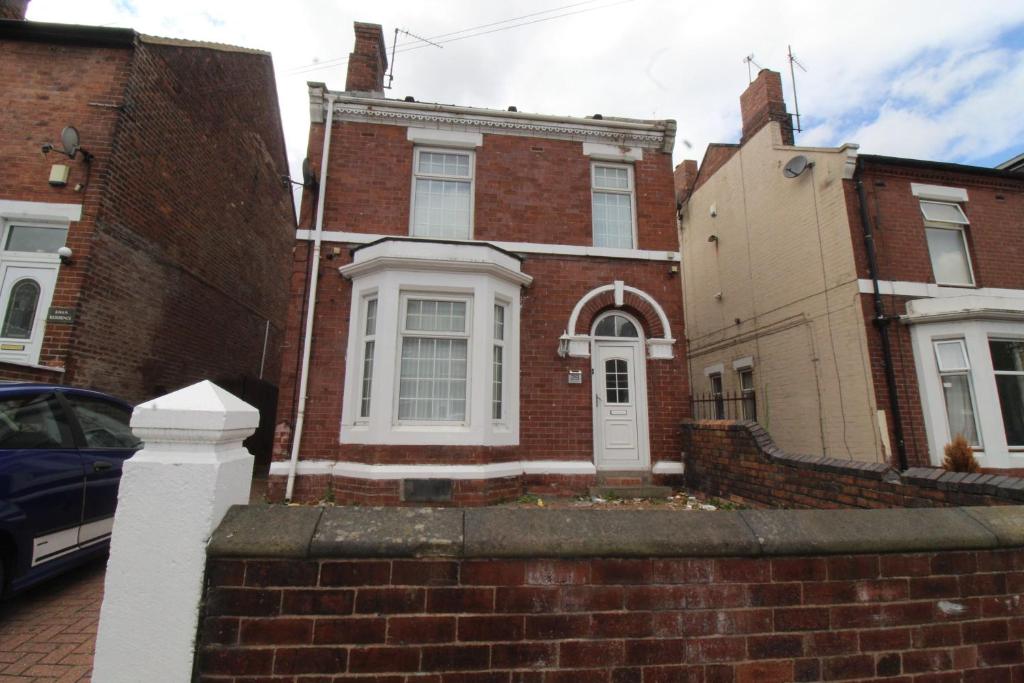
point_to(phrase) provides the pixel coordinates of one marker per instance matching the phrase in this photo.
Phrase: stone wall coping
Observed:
(994, 485)
(276, 531)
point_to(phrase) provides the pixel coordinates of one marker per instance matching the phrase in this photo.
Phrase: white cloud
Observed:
(902, 78)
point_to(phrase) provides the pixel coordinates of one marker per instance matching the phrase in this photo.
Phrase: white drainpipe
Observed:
(314, 276)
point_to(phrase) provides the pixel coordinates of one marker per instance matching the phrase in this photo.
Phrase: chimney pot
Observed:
(13, 9)
(368, 61)
(762, 102)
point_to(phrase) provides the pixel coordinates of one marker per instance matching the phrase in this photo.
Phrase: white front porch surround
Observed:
(577, 345)
(973, 319)
(390, 272)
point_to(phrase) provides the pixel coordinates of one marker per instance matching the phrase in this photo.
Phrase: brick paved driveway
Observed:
(49, 633)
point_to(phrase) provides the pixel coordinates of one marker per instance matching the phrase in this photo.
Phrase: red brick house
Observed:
(873, 305)
(487, 301)
(177, 222)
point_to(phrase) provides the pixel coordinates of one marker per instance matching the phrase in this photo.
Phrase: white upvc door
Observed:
(620, 406)
(26, 290)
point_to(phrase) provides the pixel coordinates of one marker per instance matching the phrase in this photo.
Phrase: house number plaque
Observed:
(60, 315)
(575, 377)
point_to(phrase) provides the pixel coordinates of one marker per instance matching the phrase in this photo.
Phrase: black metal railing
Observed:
(728, 406)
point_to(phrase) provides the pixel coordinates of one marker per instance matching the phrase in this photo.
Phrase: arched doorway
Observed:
(619, 374)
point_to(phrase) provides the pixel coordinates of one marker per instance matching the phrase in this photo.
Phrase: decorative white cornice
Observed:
(629, 132)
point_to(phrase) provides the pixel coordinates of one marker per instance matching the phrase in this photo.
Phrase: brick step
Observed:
(623, 478)
(643, 491)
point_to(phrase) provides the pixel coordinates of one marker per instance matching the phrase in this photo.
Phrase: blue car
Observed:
(61, 451)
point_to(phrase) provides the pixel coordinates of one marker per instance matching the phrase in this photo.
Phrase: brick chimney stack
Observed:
(685, 176)
(13, 9)
(762, 102)
(368, 62)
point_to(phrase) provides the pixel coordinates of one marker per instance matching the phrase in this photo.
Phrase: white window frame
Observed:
(944, 225)
(403, 301)
(960, 371)
(975, 333)
(394, 269)
(631, 192)
(497, 343)
(1019, 448)
(366, 337)
(471, 180)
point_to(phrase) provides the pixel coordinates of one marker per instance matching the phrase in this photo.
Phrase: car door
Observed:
(105, 441)
(42, 481)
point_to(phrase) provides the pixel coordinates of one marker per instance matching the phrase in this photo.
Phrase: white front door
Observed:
(26, 289)
(620, 406)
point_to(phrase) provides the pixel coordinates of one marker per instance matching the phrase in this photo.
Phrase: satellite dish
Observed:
(308, 177)
(796, 166)
(69, 139)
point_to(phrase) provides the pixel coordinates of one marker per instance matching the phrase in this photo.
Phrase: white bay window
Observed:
(434, 357)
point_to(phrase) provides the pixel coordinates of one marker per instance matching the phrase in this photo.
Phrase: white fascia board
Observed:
(515, 247)
(356, 470)
(938, 192)
(964, 308)
(933, 291)
(40, 211)
(603, 152)
(445, 138)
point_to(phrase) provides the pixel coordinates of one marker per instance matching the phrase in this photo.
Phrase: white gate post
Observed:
(173, 494)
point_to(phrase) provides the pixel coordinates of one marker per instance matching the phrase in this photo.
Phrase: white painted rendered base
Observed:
(668, 467)
(358, 470)
(172, 496)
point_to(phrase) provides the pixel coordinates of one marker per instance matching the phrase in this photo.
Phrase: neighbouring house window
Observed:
(369, 343)
(433, 376)
(21, 310)
(716, 393)
(955, 375)
(612, 205)
(498, 364)
(747, 393)
(442, 202)
(945, 228)
(1008, 364)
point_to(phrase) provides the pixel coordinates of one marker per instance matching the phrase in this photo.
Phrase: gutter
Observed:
(881, 321)
(314, 276)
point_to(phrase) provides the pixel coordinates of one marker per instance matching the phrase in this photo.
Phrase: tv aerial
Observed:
(70, 145)
(309, 180)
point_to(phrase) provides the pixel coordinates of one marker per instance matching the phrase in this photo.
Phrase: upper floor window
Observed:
(612, 201)
(442, 196)
(945, 228)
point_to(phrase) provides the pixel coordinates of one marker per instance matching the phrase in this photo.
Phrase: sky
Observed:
(937, 79)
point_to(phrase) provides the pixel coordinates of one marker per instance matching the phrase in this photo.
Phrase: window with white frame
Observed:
(442, 197)
(612, 202)
(1008, 366)
(746, 377)
(369, 344)
(955, 375)
(715, 380)
(945, 229)
(498, 365)
(433, 371)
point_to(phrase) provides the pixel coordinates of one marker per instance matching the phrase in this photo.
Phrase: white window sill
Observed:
(408, 435)
(34, 366)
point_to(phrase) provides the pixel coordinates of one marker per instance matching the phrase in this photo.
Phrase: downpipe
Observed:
(314, 277)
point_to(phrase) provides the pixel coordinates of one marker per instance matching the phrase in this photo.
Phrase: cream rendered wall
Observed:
(784, 266)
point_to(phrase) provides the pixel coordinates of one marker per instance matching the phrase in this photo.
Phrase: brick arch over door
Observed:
(619, 295)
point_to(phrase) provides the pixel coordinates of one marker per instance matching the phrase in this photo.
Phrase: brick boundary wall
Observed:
(738, 461)
(506, 595)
